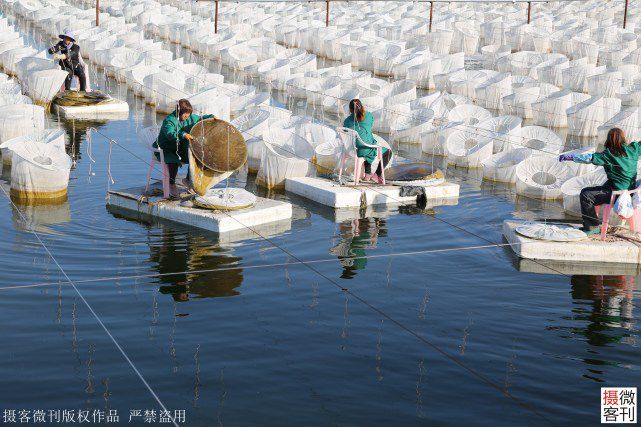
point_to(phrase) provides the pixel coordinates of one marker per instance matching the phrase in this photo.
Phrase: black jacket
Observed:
(73, 55)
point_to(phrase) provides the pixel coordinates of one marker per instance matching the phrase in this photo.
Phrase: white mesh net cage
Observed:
(541, 177)
(468, 148)
(571, 189)
(284, 155)
(501, 167)
(39, 171)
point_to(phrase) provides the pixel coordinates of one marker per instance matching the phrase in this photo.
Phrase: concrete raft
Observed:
(329, 193)
(116, 109)
(592, 249)
(260, 217)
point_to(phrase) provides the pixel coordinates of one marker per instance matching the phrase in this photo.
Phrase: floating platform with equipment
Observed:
(259, 217)
(330, 193)
(622, 247)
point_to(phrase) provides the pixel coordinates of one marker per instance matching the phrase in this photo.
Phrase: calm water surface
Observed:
(432, 337)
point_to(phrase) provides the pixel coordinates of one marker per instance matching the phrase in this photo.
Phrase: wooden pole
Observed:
(98, 13)
(625, 14)
(327, 13)
(529, 11)
(431, 14)
(216, 19)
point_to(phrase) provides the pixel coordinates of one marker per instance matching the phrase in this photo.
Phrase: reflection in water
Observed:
(356, 236)
(605, 303)
(183, 252)
(610, 315)
(76, 131)
(40, 216)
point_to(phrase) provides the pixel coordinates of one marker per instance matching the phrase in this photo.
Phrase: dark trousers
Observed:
(82, 79)
(591, 197)
(386, 158)
(173, 172)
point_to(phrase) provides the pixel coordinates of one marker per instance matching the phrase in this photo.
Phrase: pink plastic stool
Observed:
(607, 208)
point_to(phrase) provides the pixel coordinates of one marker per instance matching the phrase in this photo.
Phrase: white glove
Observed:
(59, 56)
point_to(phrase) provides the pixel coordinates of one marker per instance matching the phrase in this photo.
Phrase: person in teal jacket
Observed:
(361, 121)
(619, 159)
(174, 137)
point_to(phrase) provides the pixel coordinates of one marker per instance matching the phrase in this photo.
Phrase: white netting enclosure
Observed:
(252, 124)
(39, 171)
(469, 114)
(327, 156)
(42, 86)
(628, 120)
(505, 131)
(21, 119)
(571, 189)
(585, 117)
(284, 155)
(551, 110)
(211, 101)
(55, 137)
(467, 148)
(501, 167)
(541, 177)
(433, 141)
(410, 127)
(542, 141)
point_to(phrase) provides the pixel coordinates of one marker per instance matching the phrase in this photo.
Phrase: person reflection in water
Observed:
(182, 252)
(608, 315)
(356, 236)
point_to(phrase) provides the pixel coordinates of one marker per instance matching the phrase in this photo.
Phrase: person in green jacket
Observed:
(619, 159)
(361, 121)
(174, 137)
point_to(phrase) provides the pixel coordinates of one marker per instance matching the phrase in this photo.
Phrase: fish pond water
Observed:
(384, 316)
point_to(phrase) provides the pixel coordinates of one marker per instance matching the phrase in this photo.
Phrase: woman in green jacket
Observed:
(361, 121)
(174, 139)
(619, 159)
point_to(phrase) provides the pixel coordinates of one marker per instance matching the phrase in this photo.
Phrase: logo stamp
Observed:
(618, 405)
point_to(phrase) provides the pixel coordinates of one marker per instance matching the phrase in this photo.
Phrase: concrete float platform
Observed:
(329, 193)
(114, 110)
(264, 212)
(576, 268)
(592, 249)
